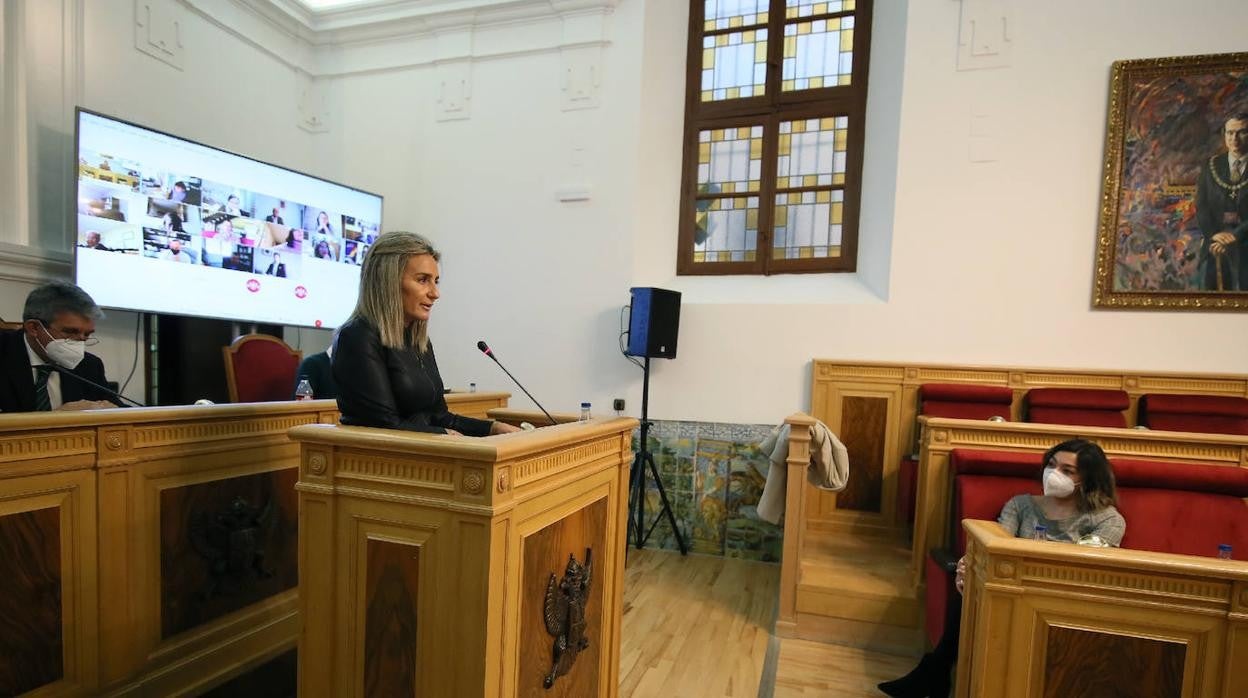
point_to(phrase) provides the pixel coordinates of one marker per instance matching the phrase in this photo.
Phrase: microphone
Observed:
(114, 396)
(485, 349)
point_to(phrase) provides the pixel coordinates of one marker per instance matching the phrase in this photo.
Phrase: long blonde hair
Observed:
(381, 296)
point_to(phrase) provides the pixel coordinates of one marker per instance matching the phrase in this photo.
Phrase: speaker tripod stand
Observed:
(643, 462)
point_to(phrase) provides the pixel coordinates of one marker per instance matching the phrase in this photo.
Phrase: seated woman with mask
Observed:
(383, 362)
(1079, 502)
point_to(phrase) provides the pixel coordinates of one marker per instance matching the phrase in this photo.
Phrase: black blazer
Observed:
(392, 388)
(17, 387)
(317, 369)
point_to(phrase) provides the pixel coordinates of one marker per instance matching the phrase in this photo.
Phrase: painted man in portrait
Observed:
(1222, 211)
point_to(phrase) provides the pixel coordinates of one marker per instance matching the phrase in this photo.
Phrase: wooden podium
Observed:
(435, 565)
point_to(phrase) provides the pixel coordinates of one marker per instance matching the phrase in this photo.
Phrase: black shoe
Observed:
(924, 680)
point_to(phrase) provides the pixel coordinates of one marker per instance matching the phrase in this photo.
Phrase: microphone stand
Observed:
(637, 479)
(114, 396)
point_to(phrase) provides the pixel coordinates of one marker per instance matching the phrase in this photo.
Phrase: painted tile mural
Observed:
(713, 475)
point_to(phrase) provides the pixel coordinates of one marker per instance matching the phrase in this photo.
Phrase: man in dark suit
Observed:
(317, 370)
(57, 323)
(275, 218)
(1222, 211)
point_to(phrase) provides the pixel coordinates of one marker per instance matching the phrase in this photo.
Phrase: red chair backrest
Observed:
(965, 401)
(1207, 414)
(260, 368)
(1084, 407)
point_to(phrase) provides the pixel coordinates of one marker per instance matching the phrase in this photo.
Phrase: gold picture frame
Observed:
(1169, 191)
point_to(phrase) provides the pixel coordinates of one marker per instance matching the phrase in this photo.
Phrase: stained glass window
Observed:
(774, 127)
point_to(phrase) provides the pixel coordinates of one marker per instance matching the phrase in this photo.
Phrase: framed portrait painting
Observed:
(1174, 209)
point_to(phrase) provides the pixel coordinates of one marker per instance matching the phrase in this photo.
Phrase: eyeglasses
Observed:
(72, 335)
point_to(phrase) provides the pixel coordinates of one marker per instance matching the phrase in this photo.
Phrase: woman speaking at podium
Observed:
(382, 360)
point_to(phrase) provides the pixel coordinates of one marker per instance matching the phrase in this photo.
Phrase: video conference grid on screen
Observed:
(170, 226)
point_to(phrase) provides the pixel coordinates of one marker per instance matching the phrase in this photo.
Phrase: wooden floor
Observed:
(700, 627)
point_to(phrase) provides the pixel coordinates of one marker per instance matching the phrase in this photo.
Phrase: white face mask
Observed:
(1057, 484)
(66, 353)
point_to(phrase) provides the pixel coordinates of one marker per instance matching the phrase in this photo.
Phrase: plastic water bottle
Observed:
(1041, 533)
(1224, 551)
(584, 411)
(472, 387)
(304, 391)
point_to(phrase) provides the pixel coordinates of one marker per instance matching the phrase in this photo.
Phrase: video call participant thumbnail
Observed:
(58, 322)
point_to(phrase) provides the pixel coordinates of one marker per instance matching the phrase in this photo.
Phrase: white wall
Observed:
(228, 93)
(990, 263)
(960, 262)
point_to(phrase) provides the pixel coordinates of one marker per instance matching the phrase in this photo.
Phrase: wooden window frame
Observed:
(769, 110)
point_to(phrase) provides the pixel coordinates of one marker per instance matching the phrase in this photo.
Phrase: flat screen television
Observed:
(167, 225)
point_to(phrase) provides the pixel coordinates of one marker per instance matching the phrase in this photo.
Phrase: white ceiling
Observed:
(321, 5)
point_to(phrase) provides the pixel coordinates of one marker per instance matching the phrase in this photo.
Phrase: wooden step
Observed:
(858, 579)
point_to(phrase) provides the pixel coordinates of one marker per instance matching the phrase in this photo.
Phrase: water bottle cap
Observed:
(584, 404)
(1224, 546)
(1041, 527)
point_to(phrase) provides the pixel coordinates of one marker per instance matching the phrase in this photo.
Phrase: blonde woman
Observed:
(383, 362)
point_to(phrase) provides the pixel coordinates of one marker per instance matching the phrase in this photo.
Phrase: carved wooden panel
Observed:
(225, 545)
(276, 678)
(545, 553)
(30, 600)
(863, 424)
(1089, 664)
(391, 590)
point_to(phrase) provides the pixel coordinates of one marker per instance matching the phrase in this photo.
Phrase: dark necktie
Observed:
(43, 403)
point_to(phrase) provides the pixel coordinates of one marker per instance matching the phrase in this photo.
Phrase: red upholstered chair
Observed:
(1078, 406)
(1209, 414)
(260, 368)
(955, 401)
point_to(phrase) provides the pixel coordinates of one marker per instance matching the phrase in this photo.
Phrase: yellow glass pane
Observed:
(708, 58)
(699, 257)
(751, 219)
(838, 178)
(823, 197)
(795, 198)
(827, 123)
(820, 8)
(725, 256)
(782, 216)
(735, 21)
(816, 82)
(849, 5)
(799, 127)
(803, 28)
(834, 24)
(747, 37)
(743, 133)
(729, 187)
(847, 40)
(721, 40)
(787, 85)
(843, 80)
(717, 135)
(841, 140)
(708, 25)
(753, 185)
(790, 46)
(790, 12)
(762, 17)
(733, 92)
(749, 255)
(785, 144)
(805, 252)
(810, 180)
(760, 52)
(837, 212)
(777, 253)
(756, 148)
(706, 95)
(704, 153)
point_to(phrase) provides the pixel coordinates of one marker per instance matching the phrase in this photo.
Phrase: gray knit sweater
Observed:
(1023, 513)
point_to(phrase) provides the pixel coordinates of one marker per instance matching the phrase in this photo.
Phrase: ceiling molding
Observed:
(399, 34)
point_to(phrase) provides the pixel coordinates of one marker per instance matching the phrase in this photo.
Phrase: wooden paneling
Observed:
(1086, 664)
(225, 545)
(31, 645)
(863, 423)
(545, 553)
(390, 623)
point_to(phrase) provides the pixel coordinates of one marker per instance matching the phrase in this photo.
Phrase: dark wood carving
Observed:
(30, 600)
(225, 545)
(392, 587)
(863, 424)
(1090, 664)
(546, 552)
(564, 613)
(276, 678)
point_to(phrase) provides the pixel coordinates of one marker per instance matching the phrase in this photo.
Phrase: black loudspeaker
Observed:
(653, 323)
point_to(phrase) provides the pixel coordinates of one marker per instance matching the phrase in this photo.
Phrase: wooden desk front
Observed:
(152, 551)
